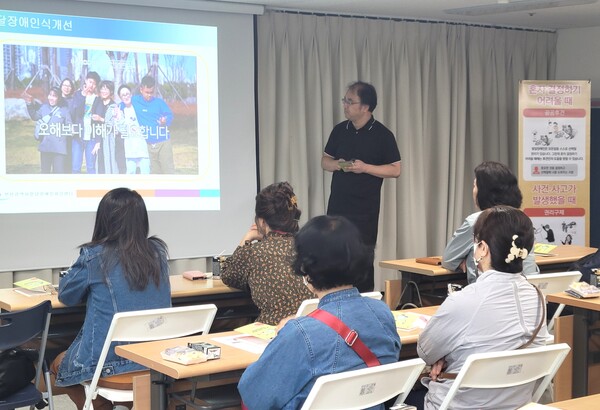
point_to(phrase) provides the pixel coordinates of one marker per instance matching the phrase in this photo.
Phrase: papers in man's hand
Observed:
(33, 287)
(183, 355)
(543, 249)
(260, 330)
(583, 290)
(410, 320)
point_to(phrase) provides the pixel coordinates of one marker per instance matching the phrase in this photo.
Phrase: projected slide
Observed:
(91, 104)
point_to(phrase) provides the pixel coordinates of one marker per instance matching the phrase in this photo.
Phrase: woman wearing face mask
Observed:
(501, 311)
(262, 263)
(494, 184)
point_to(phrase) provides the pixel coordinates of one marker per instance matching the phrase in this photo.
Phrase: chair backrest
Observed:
(17, 328)
(359, 389)
(508, 369)
(309, 305)
(152, 324)
(554, 282)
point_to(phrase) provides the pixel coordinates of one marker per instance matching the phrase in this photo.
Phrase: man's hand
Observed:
(356, 166)
(96, 148)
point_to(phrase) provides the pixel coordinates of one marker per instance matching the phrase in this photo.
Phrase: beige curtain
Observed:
(447, 91)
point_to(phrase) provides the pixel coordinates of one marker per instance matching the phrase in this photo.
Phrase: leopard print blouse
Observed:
(263, 269)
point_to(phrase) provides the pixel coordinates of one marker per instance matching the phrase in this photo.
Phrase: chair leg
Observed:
(556, 314)
(48, 387)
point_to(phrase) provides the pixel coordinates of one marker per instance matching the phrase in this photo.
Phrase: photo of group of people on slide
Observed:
(99, 112)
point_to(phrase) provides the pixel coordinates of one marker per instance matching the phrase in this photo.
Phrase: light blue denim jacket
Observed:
(85, 283)
(306, 348)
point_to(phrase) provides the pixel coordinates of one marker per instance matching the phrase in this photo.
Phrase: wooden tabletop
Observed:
(411, 336)
(148, 353)
(411, 265)
(562, 254)
(581, 403)
(566, 299)
(10, 300)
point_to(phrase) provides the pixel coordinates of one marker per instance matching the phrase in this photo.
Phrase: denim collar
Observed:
(339, 295)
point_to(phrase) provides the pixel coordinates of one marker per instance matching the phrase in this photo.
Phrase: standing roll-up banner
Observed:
(554, 159)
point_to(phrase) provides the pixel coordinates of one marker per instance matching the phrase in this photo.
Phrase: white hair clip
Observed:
(516, 252)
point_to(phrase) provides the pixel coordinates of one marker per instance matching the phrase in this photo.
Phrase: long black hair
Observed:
(122, 229)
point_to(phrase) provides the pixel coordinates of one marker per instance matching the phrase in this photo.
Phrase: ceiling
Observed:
(548, 18)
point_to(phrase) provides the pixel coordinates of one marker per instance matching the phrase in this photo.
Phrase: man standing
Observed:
(154, 117)
(360, 152)
(85, 144)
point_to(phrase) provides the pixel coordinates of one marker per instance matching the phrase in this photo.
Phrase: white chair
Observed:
(359, 389)
(145, 325)
(553, 283)
(309, 305)
(499, 370)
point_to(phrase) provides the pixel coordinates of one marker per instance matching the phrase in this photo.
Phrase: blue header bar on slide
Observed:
(103, 28)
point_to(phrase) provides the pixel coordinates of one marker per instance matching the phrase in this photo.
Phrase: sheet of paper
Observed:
(260, 330)
(410, 320)
(32, 284)
(543, 249)
(248, 343)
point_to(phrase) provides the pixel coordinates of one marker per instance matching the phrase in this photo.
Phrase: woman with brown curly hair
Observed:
(262, 263)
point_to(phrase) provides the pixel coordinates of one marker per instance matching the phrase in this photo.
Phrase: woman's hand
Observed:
(251, 235)
(436, 369)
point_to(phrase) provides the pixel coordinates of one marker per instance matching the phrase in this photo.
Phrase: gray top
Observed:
(499, 312)
(460, 248)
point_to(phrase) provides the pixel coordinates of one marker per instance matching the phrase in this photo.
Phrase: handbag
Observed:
(16, 371)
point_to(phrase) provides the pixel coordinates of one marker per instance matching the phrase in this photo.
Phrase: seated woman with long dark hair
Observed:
(121, 269)
(330, 258)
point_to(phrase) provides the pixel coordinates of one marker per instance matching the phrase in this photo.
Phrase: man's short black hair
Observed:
(94, 76)
(148, 81)
(366, 92)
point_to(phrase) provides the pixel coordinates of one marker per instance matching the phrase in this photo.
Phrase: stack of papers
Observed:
(543, 249)
(583, 290)
(257, 329)
(410, 320)
(33, 287)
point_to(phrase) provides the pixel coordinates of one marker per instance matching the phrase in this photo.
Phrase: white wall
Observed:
(578, 56)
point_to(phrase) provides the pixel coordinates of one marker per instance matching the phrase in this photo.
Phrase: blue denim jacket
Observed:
(306, 348)
(85, 283)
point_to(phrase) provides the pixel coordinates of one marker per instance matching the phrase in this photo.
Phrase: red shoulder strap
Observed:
(350, 336)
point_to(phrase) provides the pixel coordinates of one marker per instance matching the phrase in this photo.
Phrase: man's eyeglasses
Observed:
(346, 101)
